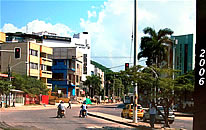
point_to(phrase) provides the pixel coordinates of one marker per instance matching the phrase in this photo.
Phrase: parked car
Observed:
(158, 116)
(127, 111)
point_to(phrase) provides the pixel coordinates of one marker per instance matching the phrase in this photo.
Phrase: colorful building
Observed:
(2, 37)
(35, 59)
(67, 70)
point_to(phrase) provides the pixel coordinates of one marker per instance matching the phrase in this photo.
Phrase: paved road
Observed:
(46, 119)
(180, 122)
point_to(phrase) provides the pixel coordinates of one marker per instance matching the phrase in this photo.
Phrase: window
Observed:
(49, 68)
(58, 76)
(85, 58)
(77, 78)
(85, 64)
(44, 67)
(54, 62)
(34, 65)
(49, 56)
(33, 52)
(85, 70)
(77, 66)
(43, 55)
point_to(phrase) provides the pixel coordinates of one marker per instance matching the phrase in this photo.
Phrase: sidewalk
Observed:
(38, 107)
(128, 122)
(35, 107)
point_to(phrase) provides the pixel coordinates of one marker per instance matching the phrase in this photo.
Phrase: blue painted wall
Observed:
(61, 66)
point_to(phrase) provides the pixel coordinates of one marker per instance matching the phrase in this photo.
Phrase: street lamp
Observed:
(10, 67)
(173, 64)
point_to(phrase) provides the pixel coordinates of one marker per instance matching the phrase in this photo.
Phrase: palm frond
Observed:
(150, 31)
(164, 32)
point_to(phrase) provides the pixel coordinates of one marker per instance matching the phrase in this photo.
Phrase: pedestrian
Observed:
(14, 102)
(152, 112)
(70, 106)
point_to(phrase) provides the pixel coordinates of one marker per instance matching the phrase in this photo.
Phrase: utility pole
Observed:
(9, 73)
(135, 59)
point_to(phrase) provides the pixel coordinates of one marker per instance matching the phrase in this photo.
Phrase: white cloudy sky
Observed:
(110, 25)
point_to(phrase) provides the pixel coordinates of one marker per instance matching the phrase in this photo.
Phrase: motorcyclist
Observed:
(60, 108)
(84, 107)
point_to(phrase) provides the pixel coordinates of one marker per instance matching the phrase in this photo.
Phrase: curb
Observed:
(138, 127)
(112, 120)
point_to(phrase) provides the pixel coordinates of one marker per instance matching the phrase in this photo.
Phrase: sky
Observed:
(109, 22)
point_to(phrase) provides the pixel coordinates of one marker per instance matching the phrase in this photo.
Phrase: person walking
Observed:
(70, 104)
(14, 100)
(152, 112)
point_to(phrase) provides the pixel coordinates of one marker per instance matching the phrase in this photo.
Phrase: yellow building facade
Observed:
(2, 37)
(35, 60)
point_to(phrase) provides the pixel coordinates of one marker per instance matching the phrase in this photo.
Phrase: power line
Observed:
(124, 65)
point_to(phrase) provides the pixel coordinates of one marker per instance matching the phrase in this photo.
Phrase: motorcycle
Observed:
(61, 113)
(84, 113)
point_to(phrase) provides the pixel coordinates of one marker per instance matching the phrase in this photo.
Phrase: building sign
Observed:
(57, 38)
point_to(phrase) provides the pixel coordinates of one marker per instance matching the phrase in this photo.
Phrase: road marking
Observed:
(94, 127)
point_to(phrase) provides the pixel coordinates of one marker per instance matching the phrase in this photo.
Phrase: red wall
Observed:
(45, 99)
(36, 99)
(31, 100)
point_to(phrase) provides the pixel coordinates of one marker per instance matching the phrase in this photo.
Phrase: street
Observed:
(180, 122)
(46, 119)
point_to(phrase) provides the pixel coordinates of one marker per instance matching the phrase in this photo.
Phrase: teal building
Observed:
(184, 53)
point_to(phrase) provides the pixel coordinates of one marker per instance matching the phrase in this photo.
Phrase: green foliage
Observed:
(94, 82)
(118, 87)
(185, 82)
(30, 85)
(153, 45)
(139, 75)
(55, 88)
(5, 87)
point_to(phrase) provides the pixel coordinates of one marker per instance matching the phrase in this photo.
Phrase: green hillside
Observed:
(103, 68)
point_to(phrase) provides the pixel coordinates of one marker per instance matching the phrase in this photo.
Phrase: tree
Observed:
(184, 89)
(153, 46)
(5, 87)
(118, 87)
(30, 85)
(146, 81)
(94, 84)
(186, 81)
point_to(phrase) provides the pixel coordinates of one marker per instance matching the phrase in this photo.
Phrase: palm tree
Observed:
(154, 45)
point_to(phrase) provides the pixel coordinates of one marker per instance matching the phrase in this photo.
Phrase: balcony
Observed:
(46, 74)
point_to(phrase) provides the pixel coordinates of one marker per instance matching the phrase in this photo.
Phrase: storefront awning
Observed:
(14, 90)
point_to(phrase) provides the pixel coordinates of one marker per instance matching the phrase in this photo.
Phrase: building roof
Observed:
(20, 34)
